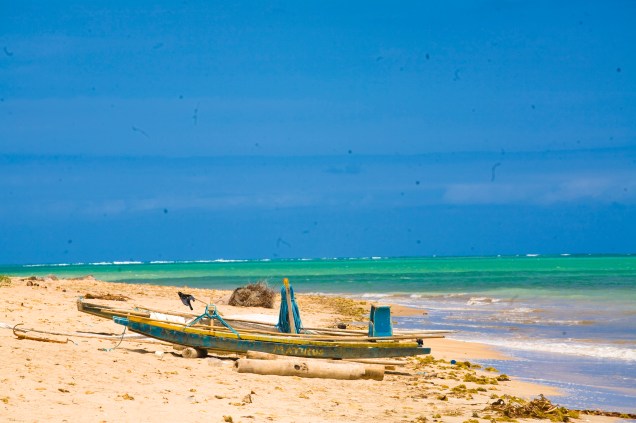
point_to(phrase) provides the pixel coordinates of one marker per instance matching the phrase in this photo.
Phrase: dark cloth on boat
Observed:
(186, 299)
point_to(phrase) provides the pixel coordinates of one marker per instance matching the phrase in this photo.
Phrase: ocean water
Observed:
(568, 321)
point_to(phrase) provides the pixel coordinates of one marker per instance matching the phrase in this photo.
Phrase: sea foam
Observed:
(568, 348)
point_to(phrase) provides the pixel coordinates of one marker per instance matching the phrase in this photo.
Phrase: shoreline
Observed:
(142, 381)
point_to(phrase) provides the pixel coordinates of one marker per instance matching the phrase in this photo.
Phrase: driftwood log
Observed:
(22, 334)
(388, 364)
(311, 369)
(191, 352)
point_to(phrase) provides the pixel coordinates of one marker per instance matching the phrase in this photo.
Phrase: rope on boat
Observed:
(214, 315)
(118, 344)
(283, 324)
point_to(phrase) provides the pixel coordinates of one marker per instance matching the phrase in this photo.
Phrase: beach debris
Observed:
(257, 294)
(22, 334)
(34, 338)
(310, 368)
(186, 299)
(191, 352)
(461, 391)
(481, 380)
(5, 280)
(31, 280)
(539, 408)
(355, 311)
(228, 419)
(107, 296)
(126, 396)
(79, 278)
(388, 364)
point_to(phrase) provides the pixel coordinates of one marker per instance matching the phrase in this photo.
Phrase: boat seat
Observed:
(380, 321)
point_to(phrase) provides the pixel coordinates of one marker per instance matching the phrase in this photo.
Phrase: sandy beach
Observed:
(90, 377)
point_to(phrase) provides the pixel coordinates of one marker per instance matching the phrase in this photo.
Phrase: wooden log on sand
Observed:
(389, 364)
(191, 352)
(41, 339)
(311, 368)
(257, 355)
(22, 334)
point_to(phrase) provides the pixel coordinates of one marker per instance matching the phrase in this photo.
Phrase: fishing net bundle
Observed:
(257, 294)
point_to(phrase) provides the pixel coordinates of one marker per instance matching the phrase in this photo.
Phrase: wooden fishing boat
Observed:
(109, 311)
(207, 337)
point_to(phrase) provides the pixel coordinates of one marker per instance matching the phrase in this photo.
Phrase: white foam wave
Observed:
(372, 295)
(522, 310)
(162, 262)
(438, 307)
(220, 260)
(482, 300)
(568, 348)
(224, 261)
(110, 263)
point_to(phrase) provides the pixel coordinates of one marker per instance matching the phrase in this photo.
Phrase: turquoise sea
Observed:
(568, 320)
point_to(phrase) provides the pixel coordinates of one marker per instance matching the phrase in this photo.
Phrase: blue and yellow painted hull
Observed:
(220, 339)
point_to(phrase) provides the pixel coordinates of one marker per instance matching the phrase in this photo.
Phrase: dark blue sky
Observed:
(202, 130)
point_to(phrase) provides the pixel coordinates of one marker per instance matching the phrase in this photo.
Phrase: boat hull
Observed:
(215, 340)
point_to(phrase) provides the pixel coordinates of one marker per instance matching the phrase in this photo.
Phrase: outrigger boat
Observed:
(226, 338)
(109, 311)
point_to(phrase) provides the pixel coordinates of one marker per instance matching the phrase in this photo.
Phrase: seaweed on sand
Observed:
(539, 408)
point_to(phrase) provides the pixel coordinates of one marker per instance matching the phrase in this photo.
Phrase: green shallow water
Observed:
(607, 277)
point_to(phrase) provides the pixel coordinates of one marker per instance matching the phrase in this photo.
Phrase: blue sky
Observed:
(202, 130)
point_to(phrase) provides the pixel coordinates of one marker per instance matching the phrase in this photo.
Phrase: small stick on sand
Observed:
(35, 338)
